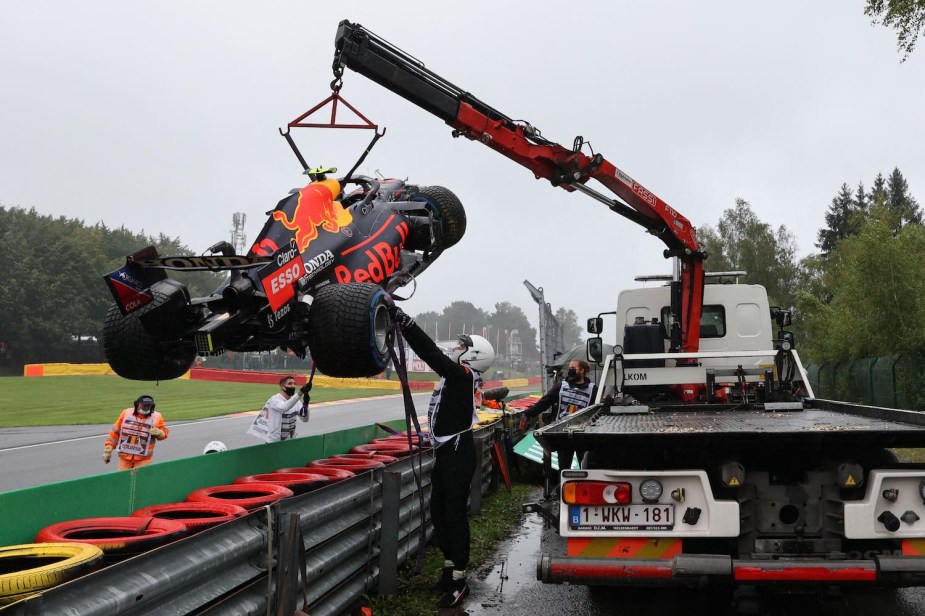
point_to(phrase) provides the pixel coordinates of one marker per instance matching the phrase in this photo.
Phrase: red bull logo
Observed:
(316, 208)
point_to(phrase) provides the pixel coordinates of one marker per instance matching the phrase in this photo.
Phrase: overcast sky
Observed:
(162, 116)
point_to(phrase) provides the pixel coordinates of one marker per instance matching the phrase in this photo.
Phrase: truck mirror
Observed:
(596, 325)
(595, 349)
(782, 317)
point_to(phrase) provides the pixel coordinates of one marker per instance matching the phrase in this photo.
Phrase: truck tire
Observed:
(349, 330)
(299, 483)
(350, 464)
(116, 536)
(133, 353)
(196, 516)
(375, 457)
(34, 567)
(447, 210)
(250, 496)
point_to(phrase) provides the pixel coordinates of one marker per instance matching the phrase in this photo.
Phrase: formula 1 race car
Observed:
(319, 276)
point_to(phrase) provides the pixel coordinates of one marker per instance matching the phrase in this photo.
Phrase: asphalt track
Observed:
(39, 455)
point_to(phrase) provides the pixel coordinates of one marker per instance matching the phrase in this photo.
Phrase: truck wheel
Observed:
(34, 567)
(133, 353)
(349, 330)
(448, 211)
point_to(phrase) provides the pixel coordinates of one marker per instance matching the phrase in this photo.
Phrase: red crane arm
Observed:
(361, 50)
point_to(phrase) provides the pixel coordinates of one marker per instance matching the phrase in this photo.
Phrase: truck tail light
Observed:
(597, 492)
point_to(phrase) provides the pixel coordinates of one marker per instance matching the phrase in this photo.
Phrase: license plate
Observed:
(625, 517)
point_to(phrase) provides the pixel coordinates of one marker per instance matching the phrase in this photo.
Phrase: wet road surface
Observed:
(507, 585)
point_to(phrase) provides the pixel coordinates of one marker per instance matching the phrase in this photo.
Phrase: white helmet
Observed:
(215, 447)
(474, 351)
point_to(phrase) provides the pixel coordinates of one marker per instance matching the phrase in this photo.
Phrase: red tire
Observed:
(250, 495)
(117, 535)
(357, 466)
(299, 483)
(389, 449)
(396, 439)
(196, 516)
(376, 457)
(333, 474)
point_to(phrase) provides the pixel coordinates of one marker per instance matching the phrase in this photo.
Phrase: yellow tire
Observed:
(33, 567)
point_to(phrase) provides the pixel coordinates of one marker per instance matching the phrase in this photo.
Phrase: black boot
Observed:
(445, 582)
(457, 593)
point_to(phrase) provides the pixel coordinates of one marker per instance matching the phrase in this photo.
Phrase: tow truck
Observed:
(709, 462)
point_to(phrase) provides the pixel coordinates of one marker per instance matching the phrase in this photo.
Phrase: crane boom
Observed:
(569, 168)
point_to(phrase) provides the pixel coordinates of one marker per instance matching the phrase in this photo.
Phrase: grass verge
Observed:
(499, 516)
(71, 400)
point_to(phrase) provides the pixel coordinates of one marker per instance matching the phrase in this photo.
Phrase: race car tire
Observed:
(116, 536)
(33, 567)
(333, 474)
(250, 496)
(448, 211)
(356, 466)
(133, 353)
(196, 516)
(299, 483)
(349, 330)
(375, 457)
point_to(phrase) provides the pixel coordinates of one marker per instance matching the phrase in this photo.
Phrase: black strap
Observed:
(411, 421)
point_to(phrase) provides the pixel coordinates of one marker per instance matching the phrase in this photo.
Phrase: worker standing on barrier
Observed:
(451, 413)
(277, 420)
(134, 434)
(575, 392)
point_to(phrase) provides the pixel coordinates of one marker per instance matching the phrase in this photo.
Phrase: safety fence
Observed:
(896, 381)
(354, 533)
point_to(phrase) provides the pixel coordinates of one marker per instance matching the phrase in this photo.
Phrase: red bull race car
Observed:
(318, 279)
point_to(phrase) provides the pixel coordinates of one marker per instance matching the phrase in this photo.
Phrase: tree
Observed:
(877, 281)
(571, 332)
(906, 17)
(743, 242)
(463, 317)
(902, 208)
(430, 322)
(507, 318)
(839, 219)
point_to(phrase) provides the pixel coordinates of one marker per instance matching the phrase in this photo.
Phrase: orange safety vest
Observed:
(131, 434)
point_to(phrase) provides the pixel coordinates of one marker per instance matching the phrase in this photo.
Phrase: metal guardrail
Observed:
(355, 534)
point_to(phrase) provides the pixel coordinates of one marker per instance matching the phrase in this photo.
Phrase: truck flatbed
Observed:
(834, 424)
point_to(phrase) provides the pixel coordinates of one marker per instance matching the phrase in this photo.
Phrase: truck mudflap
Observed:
(699, 570)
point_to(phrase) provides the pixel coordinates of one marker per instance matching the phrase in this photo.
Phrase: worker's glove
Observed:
(305, 388)
(107, 453)
(400, 317)
(157, 432)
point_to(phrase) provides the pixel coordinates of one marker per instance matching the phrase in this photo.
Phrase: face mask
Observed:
(290, 391)
(572, 375)
(144, 411)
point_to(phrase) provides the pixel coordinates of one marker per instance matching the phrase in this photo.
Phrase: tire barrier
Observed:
(375, 457)
(116, 536)
(196, 516)
(299, 483)
(357, 466)
(389, 449)
(402, 440)
(33, 567)
(250, 495)
(333, 474)
(355, 533)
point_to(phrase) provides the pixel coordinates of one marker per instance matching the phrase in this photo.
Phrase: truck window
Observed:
(712, 322)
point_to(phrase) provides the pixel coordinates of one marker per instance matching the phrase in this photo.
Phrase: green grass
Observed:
(499, 516)
(70, 400)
